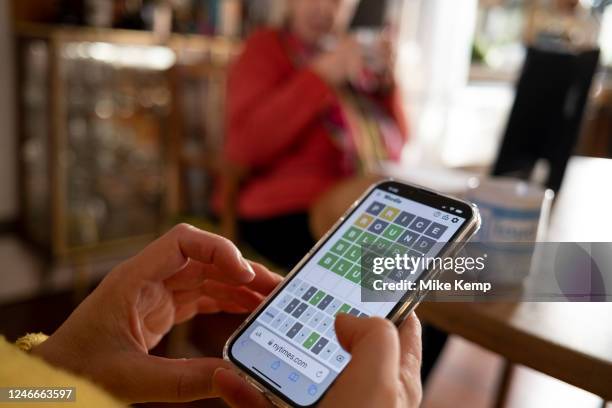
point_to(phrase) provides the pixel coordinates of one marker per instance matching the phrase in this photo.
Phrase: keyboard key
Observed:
(424, 244)
(328, 350)
(295, 329)
(344, 309)
(354, 312)
(299, 310)
(314, 322)
(342, 267)
(294, 285)
(339, 359)
(420, 224)
(284, 301)
(307, 315)
(309, 293)
(302, 289)
(352, 234)
(404, 219)
(325, 302)
(303, 335)
(287, 324)
(326, 323)
(269, 314)
(333, 307)
(364, 315)
(317, 298)
(292, 305)
(378, 227)
(278, 320)
(311, 340)
(389, 213)
(393, 232)
(364, 221)
(328, 260)
(340, 247)
(319, 345)
(408, 238)
(375, 208)
(435, 230)
(331, 334)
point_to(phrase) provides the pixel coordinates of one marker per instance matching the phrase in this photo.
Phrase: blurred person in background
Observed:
(311, 114)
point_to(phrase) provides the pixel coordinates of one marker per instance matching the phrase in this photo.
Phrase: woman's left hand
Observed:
(183, 273)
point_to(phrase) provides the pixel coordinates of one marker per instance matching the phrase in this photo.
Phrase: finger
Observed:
(374, 346)
(144, 378)
(186, 312)
(410, 360)
(170, 253)
(190, 276)
(208, 305)
(194, 273)
(232, 308)
(241, 296)
(265, 281)
(410, 345)
(236, 392)
(182, 297)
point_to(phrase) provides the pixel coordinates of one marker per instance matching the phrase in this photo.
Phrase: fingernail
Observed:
(214, 382)
(248, 267)
(218, 370)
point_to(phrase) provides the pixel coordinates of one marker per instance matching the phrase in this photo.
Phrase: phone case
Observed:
(409, 304)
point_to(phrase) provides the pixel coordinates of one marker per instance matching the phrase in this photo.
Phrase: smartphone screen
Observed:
(290, 345)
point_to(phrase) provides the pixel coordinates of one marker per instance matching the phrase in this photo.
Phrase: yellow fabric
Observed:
(31, 340)
(19, 369)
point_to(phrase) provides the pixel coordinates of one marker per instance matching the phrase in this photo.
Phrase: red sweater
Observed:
(276, 131)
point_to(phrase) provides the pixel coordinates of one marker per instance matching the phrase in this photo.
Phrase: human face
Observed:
(311, 20)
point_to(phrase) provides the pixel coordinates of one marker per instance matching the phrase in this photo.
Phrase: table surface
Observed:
(569, 341)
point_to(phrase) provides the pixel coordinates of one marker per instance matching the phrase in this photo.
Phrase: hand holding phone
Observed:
(371, 379)
(289, 348)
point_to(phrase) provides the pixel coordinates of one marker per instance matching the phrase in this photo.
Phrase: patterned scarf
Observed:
(359, 124)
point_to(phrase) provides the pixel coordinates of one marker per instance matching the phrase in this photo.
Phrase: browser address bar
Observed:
(292, 356)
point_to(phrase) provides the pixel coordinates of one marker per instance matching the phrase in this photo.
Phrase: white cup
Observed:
(514, 215)
(511, 210)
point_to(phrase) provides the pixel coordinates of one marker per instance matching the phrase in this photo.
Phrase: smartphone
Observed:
(370, 14)
(287, 348)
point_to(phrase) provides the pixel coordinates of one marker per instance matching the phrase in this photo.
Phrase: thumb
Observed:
(373, 343)
(157, 379)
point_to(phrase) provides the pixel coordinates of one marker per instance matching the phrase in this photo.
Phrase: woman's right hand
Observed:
(342, 64)
(384, 371)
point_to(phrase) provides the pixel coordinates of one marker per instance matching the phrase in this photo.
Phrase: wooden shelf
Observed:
(176, 41)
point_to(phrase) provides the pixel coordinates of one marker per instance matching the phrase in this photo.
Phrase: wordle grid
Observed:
(304, 314)
(380, 231)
